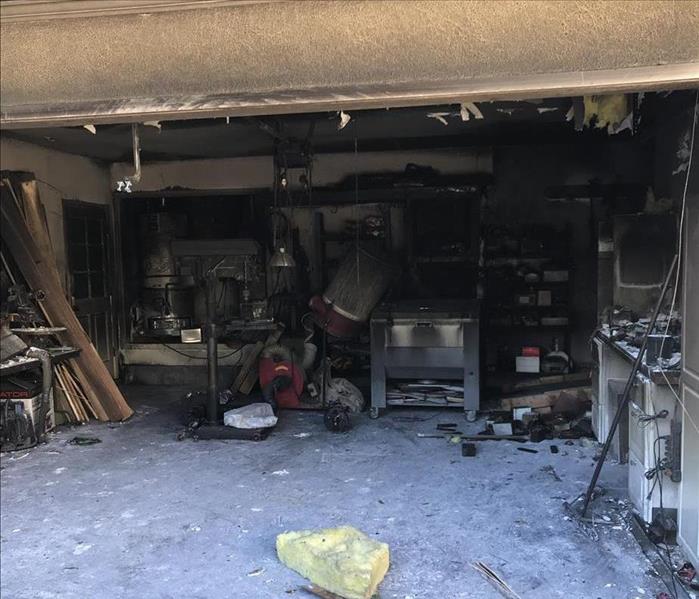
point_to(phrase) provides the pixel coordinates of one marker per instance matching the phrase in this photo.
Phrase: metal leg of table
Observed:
(378, 369)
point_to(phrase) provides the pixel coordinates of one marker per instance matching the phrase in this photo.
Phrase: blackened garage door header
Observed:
(252, 58)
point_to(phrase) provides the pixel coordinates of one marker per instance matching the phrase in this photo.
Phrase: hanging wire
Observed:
(356, 200)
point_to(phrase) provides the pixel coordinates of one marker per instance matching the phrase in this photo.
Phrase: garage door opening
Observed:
(460, 291)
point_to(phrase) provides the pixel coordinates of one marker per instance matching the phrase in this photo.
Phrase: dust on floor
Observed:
(144, 515)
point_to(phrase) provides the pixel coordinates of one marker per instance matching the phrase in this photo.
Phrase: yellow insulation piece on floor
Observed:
(341, 560)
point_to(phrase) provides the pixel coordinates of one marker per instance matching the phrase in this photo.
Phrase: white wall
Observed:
(61, 176)
(328, 169)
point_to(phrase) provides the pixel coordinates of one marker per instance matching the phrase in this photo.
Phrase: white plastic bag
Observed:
(256, 415)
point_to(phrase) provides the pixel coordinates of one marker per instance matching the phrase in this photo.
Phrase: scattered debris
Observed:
(498, 583)
(468, 450)
(91, 128)
(420, 393)
(155, 124)
(554, 448)
(487, 437)
(613, 112)
(319, 592)
(81, 548)
(520, 413)
(502, 428)
(302, 435)
(543, 109)
(447, 426)
(340, 560)
(345, 118)
(578, 395)
(252, 416)
(683, 154)
(256, 572)
(468, 109)
(440, 116)
(550, 470)
(283, 472)
(687, 573)
(527, 450)
(84, 441)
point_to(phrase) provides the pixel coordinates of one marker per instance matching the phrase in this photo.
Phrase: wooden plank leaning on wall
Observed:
(26, 237)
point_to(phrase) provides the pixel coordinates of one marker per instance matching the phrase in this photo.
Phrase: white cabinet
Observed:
(645, 451)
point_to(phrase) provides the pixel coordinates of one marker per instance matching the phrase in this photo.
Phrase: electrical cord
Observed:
(646, 419)
(659, 472)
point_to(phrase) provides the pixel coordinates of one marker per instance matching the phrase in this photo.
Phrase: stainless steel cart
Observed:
(425, 339)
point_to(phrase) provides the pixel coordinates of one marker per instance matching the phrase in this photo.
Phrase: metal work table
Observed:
(426, 339)
(21, 363)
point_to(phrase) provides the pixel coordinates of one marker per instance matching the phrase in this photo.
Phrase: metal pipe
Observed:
(211, 351)
(212, 373)
(627, 390)
(136, 141)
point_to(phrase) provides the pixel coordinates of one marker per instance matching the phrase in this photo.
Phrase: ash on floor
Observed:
(143, 515)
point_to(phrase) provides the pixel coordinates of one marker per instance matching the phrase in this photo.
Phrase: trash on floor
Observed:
(313, 589)
(84, 441)
(256, 415)
(341, 560)
(498, 583)
(688, 575)
(468, 450)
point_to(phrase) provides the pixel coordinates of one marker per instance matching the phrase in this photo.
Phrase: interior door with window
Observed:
(88, 250)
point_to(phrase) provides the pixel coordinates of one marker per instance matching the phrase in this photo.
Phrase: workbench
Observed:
(22, 363)
(635, 441)
(629, 353)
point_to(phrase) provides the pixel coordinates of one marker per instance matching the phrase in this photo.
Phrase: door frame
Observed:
(110, 270)
(688, 532)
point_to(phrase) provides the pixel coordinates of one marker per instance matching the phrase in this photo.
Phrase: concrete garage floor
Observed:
(142, 515)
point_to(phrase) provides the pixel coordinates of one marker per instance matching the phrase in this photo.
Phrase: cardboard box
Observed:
(527, 364)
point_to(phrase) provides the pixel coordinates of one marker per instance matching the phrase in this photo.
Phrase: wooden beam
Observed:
(101, 390)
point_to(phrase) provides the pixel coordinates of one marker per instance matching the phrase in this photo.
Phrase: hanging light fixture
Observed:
(281, 259)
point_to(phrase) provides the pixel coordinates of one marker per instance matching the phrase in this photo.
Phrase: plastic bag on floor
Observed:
(256, 415)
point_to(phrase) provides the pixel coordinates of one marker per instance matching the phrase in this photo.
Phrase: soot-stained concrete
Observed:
(144, 515)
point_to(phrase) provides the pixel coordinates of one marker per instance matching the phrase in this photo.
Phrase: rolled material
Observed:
(359, 284)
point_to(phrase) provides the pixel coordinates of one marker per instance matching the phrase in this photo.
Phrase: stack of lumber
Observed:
(84, 387)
